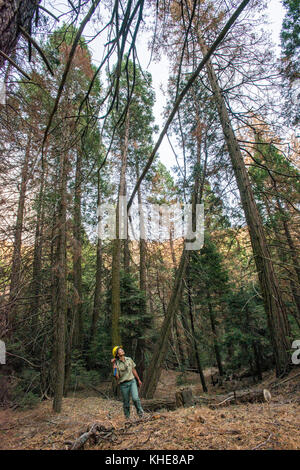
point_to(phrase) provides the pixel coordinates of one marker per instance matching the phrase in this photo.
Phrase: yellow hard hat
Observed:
(114, 351)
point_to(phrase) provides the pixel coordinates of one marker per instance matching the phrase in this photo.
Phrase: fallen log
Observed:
(154, 404)
(95, 433)
(244, 396)
(205, 401)
(277, 384)
(183, 398)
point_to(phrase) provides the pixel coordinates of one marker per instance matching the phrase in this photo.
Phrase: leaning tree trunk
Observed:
(272, 296)
(154, 370)
(14, 14)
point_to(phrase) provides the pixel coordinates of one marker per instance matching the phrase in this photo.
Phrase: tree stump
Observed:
(184, 398)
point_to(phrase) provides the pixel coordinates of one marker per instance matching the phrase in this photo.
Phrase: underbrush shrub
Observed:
(181, 379)
(81, 377)
(24, 400)
(20, 390)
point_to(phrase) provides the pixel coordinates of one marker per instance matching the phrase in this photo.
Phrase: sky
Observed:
(160, 72)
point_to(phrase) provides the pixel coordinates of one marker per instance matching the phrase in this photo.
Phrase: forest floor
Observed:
(246, 426)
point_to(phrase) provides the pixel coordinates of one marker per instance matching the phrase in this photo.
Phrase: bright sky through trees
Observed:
(160, 69)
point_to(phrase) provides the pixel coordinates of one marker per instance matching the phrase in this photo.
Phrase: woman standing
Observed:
(125, 373)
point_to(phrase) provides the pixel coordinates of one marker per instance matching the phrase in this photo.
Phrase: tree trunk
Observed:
(60, 300)
(181, 355)
(15, 278)
(176, 327)
(290, 242)
(98, 288)
(295, 286)
(74, 327)
(282, 255)
(154, 370)
(116, 260)
(196, 351)
(77, 257)
(187, 334)
(140, 349)
(36, 282)
(257, 359)
(70, 324)
(274, 306)
(215, 334)
(14, 14)
(126, 251)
